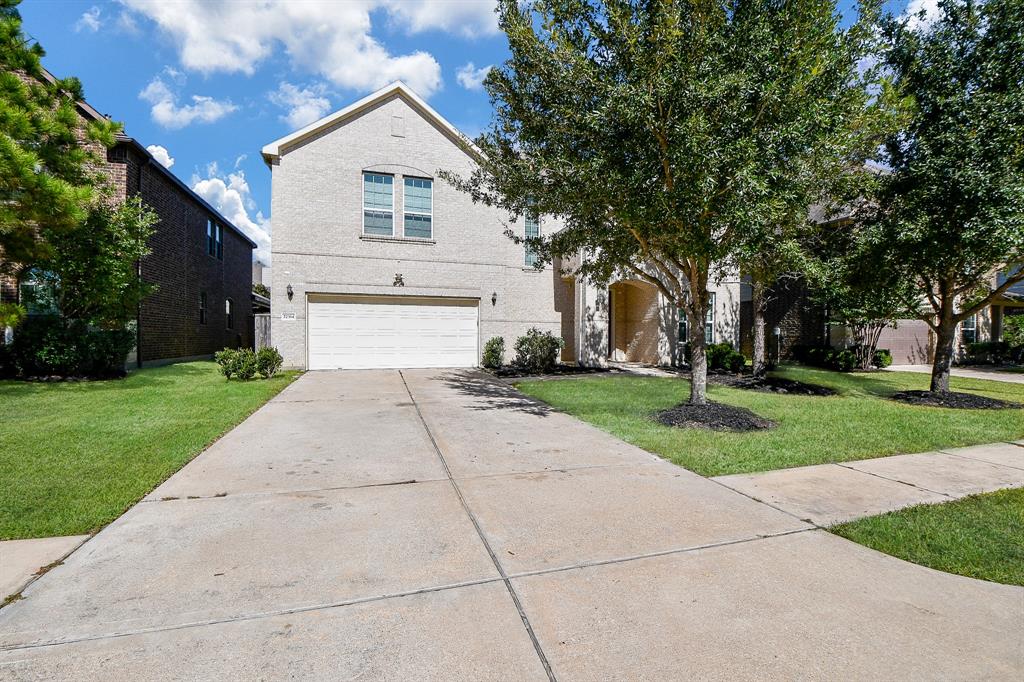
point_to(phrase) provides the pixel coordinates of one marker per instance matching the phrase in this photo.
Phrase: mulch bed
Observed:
(769, 384)
(962, 401)
(510, 372)
(713, 416)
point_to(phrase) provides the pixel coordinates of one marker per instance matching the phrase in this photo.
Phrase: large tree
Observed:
(949, 217)
(668, 134)
(47, 181)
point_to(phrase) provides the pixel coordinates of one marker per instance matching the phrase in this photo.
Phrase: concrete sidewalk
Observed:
(826, 494)
(989, 373)
(440, 525)
(22, 560)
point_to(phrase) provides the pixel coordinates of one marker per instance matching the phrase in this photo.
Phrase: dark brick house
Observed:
(200, 262)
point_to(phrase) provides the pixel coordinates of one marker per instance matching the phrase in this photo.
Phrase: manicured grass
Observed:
(980, 536)
(75, 456)
(858, 423)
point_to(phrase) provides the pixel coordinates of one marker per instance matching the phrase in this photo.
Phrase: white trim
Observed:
(273, 151)
(362, 189)
(419, 213)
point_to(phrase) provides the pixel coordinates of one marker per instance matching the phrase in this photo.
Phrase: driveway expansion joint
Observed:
(895, 480)
(483, 538)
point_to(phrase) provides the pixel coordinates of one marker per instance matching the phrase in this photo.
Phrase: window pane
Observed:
(418, 226)
(377, 222)
(418, 195)
(709, 328)
(377, 191)
(532, 230)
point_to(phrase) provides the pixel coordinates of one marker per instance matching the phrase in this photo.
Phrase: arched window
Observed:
(227, 314)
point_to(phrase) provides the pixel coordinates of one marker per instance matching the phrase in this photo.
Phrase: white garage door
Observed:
(363, 332)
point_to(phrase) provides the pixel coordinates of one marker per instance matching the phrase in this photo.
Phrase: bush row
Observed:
(245, 363)
(50, 346)
(992, 353)
(841, 359)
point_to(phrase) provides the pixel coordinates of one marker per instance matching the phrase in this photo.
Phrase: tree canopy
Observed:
(672, 136)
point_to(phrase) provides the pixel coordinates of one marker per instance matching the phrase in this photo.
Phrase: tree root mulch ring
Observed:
(962, 401)
(713, 416)
(770, 385)
(513, 372)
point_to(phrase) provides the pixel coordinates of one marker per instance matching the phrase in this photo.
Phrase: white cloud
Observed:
(162, 156)
(471, 77)
(126, 24)
(232, 197)
(328, 38)
(303, 105)
(469, 18)
(914, 7)
(168, 113)
(240, 159)
(89, 21)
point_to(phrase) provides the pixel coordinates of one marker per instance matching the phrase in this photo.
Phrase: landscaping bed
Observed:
(770, 384)
(75, 455)
(859, 422)
(714, 416)
(514, 372)
(981, 536)
(955, 400)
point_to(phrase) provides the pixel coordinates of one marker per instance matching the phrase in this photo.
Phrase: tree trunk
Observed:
(946, 336)
(758, 302)
(698, 351)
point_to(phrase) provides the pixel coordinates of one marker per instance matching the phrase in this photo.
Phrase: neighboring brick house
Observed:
(377, 263)
(200, 262)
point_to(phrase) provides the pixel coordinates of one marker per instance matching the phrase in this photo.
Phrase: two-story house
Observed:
(379, 263)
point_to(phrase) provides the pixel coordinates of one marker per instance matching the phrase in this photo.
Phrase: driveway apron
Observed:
(433, 524)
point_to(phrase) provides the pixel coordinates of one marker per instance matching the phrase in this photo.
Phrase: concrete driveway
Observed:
(438, 525)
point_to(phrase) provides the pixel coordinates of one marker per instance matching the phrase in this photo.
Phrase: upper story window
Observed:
(211, 245)
(378, 204)
(419, 207)
(202, 307)
(219, 233)
(532, 230)
(228, 317)
(969, 330)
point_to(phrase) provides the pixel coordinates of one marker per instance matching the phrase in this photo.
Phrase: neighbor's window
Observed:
(211, 245)
(220, 241)
(709, 322)
(532, 230)
(378, 204)
(37, 294)
(969, 330)
(419, 207)
(202, 307)
(227, 314)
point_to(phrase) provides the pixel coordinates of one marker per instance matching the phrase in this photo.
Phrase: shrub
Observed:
(246, 366)
(1013, 331)
(841, 359)
(537, 351)
(882, 358)
(987, 352)
(722, 356)
(227, 359)
(268, 361)
(494, 352)
(50, 346)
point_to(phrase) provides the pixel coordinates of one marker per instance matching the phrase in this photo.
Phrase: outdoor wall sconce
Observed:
(288, 290)
(494, 298)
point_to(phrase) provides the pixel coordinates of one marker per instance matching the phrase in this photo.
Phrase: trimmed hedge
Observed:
(494, 352)
(47, 346)
(839, 359)
(537, 351)
(722, 357)
(245, 363)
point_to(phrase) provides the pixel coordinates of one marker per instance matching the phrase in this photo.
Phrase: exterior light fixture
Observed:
(494, 298)
(289, 291)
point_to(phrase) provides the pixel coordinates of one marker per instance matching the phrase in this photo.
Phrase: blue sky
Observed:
(211, 83)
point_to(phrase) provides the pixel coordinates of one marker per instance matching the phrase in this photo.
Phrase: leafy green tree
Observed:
(950, 216)
(46, 181)
(671, 135)
(93, 271)
(261, 289)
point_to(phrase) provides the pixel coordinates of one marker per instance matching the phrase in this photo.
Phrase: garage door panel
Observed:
(355, 334)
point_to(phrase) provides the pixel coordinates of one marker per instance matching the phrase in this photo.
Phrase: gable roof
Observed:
(273, 151)
(88, 111)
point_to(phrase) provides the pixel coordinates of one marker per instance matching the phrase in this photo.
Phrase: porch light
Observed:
(494, 298)
(291, 292)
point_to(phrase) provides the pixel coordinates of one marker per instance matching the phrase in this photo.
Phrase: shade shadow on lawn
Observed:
(858, 423)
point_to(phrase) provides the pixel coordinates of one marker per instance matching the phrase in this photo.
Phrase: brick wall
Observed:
(169, 325)
(801, 321)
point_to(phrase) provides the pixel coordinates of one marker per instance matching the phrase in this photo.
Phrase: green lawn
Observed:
(75, 456)
(857, 424)
(980, 536)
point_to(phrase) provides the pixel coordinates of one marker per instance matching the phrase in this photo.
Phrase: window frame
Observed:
(229, 315)
(406, 211)
(211, 249)
(203, 308)
(219, 233)
(530, 256)
(972, 329)
(683, 330)
(362, 190)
